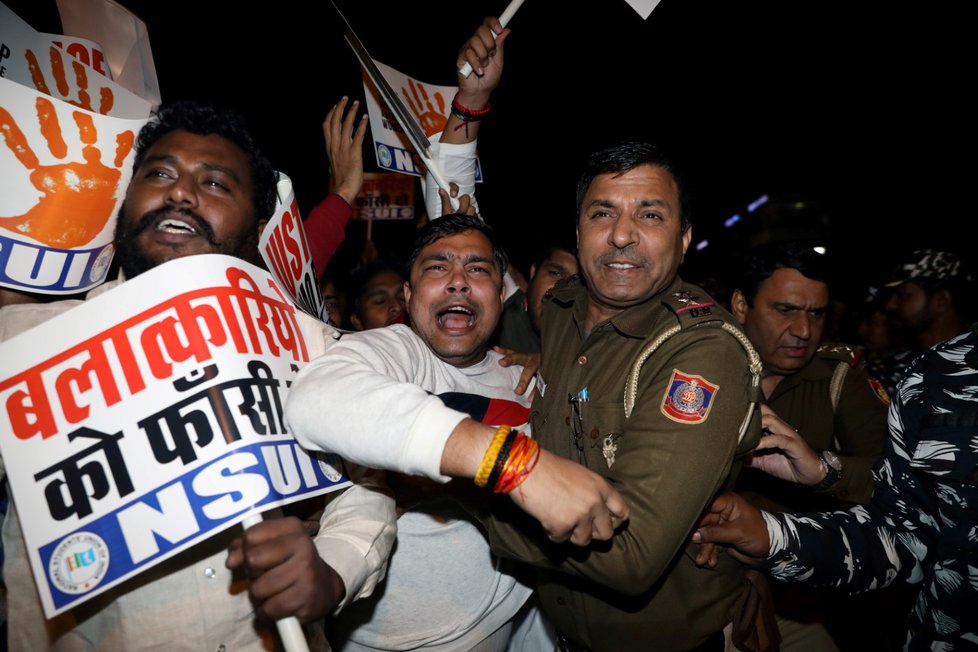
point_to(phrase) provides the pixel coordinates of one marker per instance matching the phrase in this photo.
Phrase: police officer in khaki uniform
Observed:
(819, 396)
(668, 448)
(782, 300)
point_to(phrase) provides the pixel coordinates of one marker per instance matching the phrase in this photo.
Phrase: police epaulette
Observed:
(692, 312)
(839, 351)
(690, 309)
(560, 292)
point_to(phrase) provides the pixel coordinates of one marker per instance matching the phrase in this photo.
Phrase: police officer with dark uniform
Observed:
(840, 412)
(647, 381)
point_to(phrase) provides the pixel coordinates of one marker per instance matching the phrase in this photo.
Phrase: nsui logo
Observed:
(79, 563)
(385, 156)
(101, 263)
(329, 464)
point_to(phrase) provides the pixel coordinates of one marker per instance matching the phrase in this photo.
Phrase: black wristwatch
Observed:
(833, 469)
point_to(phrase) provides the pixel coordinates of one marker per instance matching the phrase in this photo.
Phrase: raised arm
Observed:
(344, 134)
(485, 54)
(455, 148)
(326, 223)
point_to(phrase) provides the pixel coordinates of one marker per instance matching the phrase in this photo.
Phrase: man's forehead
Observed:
(640, 173)
(908, 287)
(648, 184)
(561, 258)
(788, 285)
(783, 277)
(384, 280)
(211, 150)
(466, 245)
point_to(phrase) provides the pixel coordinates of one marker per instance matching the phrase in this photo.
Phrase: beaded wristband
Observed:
(489, 459)
(501, 458)
(465, 113)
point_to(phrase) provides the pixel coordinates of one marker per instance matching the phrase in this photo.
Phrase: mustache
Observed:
(150, 218)
(622, 256)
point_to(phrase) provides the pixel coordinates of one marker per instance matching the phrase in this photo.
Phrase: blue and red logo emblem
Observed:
(688, 398)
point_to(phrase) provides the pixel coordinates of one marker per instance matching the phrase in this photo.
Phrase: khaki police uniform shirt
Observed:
(855, 429)
(641, 591)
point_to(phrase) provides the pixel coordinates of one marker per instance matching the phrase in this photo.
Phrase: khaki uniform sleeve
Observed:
(860, 430)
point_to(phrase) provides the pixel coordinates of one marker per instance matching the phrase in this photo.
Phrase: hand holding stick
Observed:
(504, 19)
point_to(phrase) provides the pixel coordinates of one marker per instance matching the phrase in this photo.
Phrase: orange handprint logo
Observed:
(432, 120)
(77, 198)
(84, 99)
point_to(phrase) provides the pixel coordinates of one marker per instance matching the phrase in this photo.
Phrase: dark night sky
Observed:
(858, 111)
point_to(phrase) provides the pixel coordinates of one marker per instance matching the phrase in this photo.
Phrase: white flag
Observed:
(643, 7)
(123, 37)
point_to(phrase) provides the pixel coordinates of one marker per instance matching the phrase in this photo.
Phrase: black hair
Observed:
(451, 224)
(625, 157)
(204, 119)
(762, 261)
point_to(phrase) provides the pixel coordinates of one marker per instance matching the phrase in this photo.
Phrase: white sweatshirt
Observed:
(374, 398)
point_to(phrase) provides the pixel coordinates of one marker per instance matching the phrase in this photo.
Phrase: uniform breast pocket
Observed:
(949, 453)
(602, 433)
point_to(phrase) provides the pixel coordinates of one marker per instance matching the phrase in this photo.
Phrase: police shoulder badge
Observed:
(688, 398)
(879, 390)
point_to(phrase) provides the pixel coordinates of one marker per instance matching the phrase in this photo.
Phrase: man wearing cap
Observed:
(930, 300)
